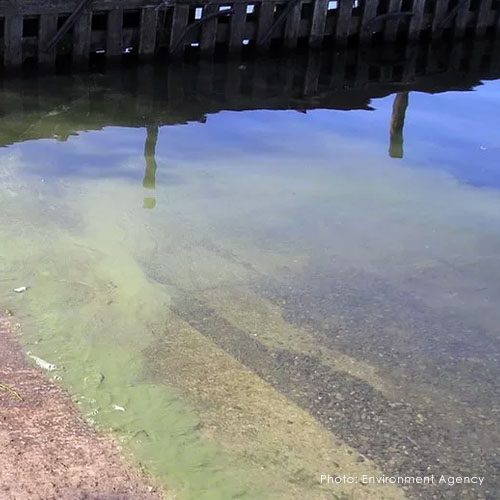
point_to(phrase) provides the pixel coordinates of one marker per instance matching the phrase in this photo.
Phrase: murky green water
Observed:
(245, 273)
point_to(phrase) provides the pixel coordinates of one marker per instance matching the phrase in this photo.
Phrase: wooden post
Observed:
(81, 39)
(179, 23)
(369, 13)
(265, 22)
(392, 25)
(397, 124)
(318, 24)
(439, 15)
(343, 21)
(238, 20)
(209, 30)
(147, 33)
(462, 19)
(13, 41)
(416, 20)
(149, 181)
(483, 17)
(47, 29)
(313, 69)
(292, 27)
(114, 40)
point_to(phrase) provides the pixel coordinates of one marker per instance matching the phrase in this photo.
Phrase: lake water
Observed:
(256, 273)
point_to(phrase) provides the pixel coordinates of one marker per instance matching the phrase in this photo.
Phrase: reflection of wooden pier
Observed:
(155, 96)
(43, 31)
(59, 107)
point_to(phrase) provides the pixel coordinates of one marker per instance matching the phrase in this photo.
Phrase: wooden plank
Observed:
(318, 24)
(417, 20)
(114, 41)
(209, 29)
(292, 26)
(179, 22)
(343, 21)
(81, 38)
(439, 15)
(369, 13)
(484, 17)
(462, 18)
(392, 25)
(147, 32)
(266, 16)
(238, 20)
(47, 29)
(313, 69)
(13, 41)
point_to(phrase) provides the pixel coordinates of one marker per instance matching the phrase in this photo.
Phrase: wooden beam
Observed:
(114, 36)
(462, 18)
(209, 29)
(292, 26)
(47, 29)
(238, 20)
(318, 24)
(81, 39)
(147, 32)
(392, 25)
(179, 22)
(13, 41)
(366, 28)
(266, 16)
(484, 17)
(417, 19)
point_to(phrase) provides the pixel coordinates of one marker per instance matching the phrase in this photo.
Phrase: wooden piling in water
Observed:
(150, 28)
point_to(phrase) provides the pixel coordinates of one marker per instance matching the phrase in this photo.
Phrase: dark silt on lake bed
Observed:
(256, 273)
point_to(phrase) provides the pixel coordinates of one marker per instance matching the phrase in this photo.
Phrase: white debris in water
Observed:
(118, 408)
(21, 289)
(45, 365)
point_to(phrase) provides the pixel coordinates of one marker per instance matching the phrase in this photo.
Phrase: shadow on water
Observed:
(409, 384)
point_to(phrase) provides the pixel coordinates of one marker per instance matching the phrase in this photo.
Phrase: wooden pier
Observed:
(46, 31)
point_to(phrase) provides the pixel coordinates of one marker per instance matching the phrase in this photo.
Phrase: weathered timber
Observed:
(397, 124)
(147, 40)
(46, 32)
(13, 39)
(114, 40)
(150, 28)
(318, 23)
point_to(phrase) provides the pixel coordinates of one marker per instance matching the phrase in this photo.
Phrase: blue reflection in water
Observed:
(455, 132)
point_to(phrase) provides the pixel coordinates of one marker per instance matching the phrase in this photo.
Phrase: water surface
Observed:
(257, 273)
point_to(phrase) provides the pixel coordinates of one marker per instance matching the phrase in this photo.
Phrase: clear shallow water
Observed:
(267, 293)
